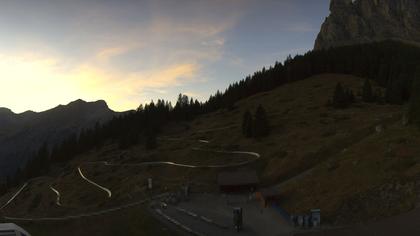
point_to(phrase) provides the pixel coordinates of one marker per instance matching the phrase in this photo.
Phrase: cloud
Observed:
(124, 53)
(39, 83)
(106, 53)
(174, 75)
(125, 90)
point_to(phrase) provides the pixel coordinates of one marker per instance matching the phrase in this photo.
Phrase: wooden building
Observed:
(268, 196)
(240, 181)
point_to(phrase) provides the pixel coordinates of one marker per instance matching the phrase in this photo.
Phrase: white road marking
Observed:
(177, 223)
(95, 184)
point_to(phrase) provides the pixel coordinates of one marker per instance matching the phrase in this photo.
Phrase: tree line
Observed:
(257, 125)
(343, 96)
(392, 65)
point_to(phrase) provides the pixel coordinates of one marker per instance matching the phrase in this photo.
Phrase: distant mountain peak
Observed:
(82, 104)
(6, 111)
(22, 134)
(78, 101)
(101, 102)
(28, 112)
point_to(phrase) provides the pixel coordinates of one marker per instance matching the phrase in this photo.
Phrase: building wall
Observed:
(238, 188)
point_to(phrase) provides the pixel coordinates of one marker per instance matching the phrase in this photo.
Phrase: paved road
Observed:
(177, 223)
(218, 208)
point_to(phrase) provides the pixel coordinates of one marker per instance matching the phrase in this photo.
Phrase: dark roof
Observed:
(237, 178)
(269, 192)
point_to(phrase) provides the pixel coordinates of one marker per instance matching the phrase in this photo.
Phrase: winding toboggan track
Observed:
(254, 157)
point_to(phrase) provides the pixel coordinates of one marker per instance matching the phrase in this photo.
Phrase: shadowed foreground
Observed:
(406, 224)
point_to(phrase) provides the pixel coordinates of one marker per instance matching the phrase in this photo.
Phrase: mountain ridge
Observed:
(5, 110)
(21, 134)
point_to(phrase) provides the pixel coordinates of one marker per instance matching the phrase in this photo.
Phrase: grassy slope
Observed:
(134, 221)
(347, 159)
(353, 168)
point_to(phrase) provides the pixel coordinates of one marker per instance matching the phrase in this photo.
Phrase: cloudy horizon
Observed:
(130, 52)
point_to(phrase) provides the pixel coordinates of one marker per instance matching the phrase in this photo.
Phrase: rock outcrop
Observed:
(363, 21)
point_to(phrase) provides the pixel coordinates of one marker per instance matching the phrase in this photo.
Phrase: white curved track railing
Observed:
(170, 163)
(95, 184)
(57, 193)
(14, 196)
(255, 156)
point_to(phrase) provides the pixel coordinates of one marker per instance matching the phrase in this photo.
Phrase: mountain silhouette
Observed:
(22, 134)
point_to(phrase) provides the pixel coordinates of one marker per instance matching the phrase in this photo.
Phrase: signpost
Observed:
(237, 218)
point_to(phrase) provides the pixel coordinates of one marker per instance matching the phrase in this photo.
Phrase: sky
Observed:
(128, 52)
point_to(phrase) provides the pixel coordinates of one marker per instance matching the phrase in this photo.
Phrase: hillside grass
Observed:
(135, 221)
(318, 157)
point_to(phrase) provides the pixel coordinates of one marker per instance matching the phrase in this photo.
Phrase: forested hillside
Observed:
(391, 64)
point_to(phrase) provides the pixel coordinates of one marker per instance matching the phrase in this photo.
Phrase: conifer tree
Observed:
(349, 96)
(261, 125)
(378, 96)
(247, 124)
(414, 105)
(151, 141)
(339, 98)
(367, 93)
(343, 97)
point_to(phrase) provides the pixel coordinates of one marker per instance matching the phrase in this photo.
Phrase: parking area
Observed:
(212, 214)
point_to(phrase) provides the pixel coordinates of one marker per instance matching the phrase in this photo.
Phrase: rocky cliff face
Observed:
(363, 21)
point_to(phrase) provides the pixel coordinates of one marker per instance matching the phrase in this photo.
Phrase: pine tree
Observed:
(3, 187)
(247, 124)
(261, 125)
(45, 159)
(17, 178)
(339, 98)
(349, 96)
(343, 97)
(379, 97)
(394, 94)
(151, 141)
(414, 105)
(367, 93)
